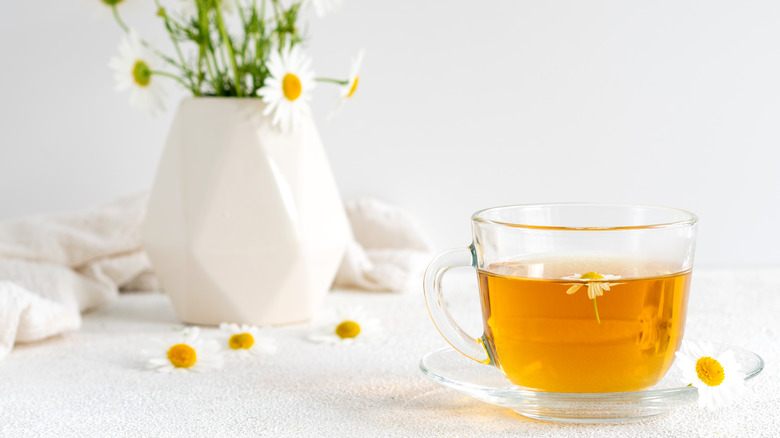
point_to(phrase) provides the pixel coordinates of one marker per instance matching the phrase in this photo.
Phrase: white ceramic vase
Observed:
(244, 224)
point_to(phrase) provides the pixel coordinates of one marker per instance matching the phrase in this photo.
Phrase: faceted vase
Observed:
(245, 223)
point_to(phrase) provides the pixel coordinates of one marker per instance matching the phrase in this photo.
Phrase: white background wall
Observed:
(462, 105)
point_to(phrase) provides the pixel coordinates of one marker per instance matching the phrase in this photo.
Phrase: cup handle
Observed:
(434, 299)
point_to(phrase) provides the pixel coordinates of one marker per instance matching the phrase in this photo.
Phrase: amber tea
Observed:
(613, 328)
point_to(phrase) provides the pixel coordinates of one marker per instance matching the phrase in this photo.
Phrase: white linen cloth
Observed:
(389, 249)
(53, 267)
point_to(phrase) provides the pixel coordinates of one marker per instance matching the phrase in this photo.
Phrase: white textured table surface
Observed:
(93, 383)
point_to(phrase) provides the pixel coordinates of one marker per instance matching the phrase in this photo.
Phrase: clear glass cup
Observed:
(582, 298)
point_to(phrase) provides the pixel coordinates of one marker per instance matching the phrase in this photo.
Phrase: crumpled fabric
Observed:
(54, 267)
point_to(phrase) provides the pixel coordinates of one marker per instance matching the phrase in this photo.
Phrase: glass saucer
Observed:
(485, 382)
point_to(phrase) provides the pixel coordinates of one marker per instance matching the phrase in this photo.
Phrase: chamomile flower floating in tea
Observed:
(348, 326)
(286, 91)
(246, 341)
(349, 88)
(136, 68)
(596, 283)
(715, 375)
(187, 353)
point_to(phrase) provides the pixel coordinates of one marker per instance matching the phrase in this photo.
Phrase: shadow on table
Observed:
(403, 406)
(424, 411)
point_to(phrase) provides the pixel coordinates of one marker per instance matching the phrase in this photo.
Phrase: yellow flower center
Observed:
(182, 356)
(348, 329)
(291, 86)
(241, 340)
(591, 276)
(354, 87)
(710, 371)
(142, 74)
(112, 2)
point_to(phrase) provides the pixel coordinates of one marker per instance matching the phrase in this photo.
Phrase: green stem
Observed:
(260, 56)
(226, 39)
(596, 308)
(144, 43)
(223, 59)
(205, 45)
(241, 13)
(172, 76)
(333, 81)
(247, 34)
(278, 20)
(119, 20)
(178, 49)
(201, 52)
(211, 64)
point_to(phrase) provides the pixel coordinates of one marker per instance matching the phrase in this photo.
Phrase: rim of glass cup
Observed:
(690, 220)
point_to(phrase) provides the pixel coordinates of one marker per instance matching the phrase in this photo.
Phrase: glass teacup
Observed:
(575, 297)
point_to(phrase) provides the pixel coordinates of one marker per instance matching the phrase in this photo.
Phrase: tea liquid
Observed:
(546, 339)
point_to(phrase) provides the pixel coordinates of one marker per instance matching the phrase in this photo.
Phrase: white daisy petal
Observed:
(596, 286)
(348, 90)
(287, 90)
(133, 69)
(185, 352)
(591, 291)
(246, 341)
(348, 326)
(716, 375)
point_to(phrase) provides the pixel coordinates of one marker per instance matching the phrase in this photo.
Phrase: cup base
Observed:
(486, 383)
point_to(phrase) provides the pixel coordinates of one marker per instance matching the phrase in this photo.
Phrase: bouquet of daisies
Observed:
(263, 60)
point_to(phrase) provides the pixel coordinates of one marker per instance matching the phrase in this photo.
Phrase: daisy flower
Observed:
(596, 283)
(323, 7)
(134, 68)
(347, 326)
(348, 90)
(716, 375)
(286, 91)
(188, 353)
(246, 341)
